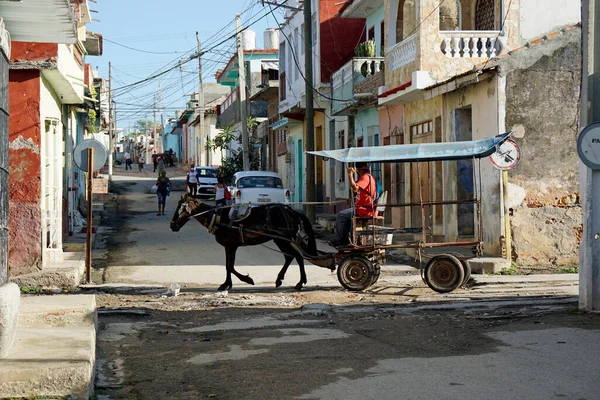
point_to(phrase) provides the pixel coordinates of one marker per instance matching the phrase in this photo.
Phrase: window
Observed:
(260, 182)
(382, 38)
(297, 47)
(371, 35)
(484, 15)
(302, 39)
(206, 173)
(421, 129)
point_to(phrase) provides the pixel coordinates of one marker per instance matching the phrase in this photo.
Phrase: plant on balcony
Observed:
(366, 49)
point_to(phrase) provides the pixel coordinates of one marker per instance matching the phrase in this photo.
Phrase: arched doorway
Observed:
(450, 16)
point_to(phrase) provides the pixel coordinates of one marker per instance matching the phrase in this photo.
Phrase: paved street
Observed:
(503, 337)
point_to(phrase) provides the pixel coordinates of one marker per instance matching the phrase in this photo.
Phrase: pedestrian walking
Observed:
(171, 154)
(127, 160)
(192, 180)
(140, 163)
(155, 160)
(161, 166)
(163, 189)
(222, 193)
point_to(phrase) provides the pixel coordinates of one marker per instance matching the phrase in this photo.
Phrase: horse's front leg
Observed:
(231, 266)
(229, 260)
(281, 275)
(303, 281)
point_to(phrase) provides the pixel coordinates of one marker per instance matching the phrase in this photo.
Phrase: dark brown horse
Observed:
(288, 228)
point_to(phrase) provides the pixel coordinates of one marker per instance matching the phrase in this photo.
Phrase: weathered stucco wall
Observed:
(534, 22)
(24, 183)
(542, 93)
(481, 98)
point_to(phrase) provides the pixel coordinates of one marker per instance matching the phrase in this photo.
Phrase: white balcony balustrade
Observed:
(470, 44)
(403, 53)
(344, 80)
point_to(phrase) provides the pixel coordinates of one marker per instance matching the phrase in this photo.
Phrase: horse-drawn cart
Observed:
(447, 268)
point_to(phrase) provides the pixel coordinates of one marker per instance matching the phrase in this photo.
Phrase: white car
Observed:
(258, 187)
(207, 181)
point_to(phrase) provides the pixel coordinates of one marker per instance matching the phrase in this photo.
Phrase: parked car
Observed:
(258, 187)
(207, 181)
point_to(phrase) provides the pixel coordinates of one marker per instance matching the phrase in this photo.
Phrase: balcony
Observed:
(470, 44)
(355, 85)
(229, 111)
(66, 76)
(403, 53)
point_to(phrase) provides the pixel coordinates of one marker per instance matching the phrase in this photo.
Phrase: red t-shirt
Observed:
(366, 194)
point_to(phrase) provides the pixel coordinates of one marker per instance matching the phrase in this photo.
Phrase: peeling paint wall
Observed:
(3, 167)
(542, 96)
(24, 179)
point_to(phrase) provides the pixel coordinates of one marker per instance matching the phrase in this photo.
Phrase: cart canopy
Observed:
(417, 152)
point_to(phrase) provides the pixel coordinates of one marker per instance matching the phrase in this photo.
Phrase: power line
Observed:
(141, 51)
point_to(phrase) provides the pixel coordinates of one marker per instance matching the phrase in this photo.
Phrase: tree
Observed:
(235, 162)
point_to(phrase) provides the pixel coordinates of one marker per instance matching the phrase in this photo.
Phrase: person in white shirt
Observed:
(127, 160)
(192, 180)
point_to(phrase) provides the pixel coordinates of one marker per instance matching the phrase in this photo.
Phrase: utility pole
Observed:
(309, 141)
(589, 180)
(154, 129)
(242, 92)
(200, 97)
(146, 136)
(111, 142)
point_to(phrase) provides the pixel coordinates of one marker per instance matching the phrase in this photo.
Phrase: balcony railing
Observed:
(346, 79)
(470, 44)
(403, 53)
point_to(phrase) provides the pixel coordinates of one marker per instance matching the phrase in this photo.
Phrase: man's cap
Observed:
(362, 165)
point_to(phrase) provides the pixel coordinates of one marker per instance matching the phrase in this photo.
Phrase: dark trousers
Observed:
(127, 164)
(343, 223)
(155, 165)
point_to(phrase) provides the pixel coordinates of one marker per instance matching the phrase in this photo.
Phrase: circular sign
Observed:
(80, 154)
(588, 145)
(507, 155)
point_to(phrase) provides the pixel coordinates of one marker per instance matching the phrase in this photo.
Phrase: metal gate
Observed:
(52, 178)
(3, 163)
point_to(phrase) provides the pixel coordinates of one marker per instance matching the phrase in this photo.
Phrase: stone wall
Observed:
(542, 102)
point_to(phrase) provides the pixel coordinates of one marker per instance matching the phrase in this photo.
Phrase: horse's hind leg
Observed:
(290, 253)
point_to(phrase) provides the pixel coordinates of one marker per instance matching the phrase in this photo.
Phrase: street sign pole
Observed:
(88, 237)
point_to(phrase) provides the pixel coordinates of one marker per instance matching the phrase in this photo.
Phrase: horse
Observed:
(277, 222)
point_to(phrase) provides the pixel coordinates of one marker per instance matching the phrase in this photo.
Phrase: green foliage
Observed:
(509, 271)
(235, 162)
(366, 49)
(568, 270)
(91, 121)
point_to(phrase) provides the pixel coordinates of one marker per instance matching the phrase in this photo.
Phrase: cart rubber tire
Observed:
(377, 272)
(444, 273)
(357, 273)
(466, 266)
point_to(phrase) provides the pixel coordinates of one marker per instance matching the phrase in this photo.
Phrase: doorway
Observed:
(465, 213)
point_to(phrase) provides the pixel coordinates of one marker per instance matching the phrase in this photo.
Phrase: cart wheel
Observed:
(444, 273)
(357, 273)
(377, 271)
(466, 266)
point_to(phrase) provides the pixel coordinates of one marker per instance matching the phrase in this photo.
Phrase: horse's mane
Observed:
(308, 229)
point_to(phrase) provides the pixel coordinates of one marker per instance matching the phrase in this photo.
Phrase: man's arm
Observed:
(353, 184)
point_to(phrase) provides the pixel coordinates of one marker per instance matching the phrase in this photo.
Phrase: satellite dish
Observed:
(80, 154)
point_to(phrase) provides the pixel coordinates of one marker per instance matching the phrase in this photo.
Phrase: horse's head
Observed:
(186, 207)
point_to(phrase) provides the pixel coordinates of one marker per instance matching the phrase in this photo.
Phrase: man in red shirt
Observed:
(366, 191)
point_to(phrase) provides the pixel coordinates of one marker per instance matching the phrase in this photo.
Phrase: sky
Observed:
(145, 37)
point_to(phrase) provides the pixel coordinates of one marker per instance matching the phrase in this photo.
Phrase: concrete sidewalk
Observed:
(54, 352)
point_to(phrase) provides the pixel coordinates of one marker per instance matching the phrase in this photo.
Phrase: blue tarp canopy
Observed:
(417, 152)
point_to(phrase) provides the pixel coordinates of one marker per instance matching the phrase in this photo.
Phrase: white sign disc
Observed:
(80, 154)
(507, 156)
(588, 146)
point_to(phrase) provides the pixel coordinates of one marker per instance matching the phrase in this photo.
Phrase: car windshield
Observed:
(206, 173)
(260, 182)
